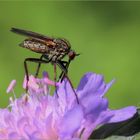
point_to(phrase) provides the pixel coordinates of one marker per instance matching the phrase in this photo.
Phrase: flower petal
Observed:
(94, 105)
(102, 118)
(122, 114)
(13, 136)
(109, 116)
(66, 94)
(36, 135)
(107, 87)
(71, 122)
(92, 83)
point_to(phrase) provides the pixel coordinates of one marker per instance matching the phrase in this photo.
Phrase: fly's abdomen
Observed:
(35, 46)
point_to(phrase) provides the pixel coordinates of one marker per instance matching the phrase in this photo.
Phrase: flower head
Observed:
(39, 115)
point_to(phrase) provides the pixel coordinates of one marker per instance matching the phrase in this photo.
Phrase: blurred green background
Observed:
(107, 34)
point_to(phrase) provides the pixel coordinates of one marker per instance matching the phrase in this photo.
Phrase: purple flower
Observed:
(40, 116)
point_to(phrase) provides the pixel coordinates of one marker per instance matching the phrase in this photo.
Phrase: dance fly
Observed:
(51, 49)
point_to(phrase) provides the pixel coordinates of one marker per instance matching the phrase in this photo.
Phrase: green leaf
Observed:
(120, 138)
(125, 130)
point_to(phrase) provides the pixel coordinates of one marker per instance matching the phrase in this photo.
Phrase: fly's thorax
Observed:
(56, 54)
(62, 43)
(59, 50)
(35, 46)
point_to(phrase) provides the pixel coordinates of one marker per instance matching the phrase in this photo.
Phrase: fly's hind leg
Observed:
(39, 64)
(36, 60)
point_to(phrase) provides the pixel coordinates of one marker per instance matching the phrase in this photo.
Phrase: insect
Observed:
(52, 50)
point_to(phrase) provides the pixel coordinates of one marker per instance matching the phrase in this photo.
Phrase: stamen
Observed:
(11, 86)
(11, 102)
(14, 94)
(25, 99)
(45, 87)
(45, 74)
(50, 82)
(32, 83)
(24, 82)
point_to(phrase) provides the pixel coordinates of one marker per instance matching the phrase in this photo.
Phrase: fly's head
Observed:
(72, 54)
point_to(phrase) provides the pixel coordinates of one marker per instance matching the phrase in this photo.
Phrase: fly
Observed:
(51, 49)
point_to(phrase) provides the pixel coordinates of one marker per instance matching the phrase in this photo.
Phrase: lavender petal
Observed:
(122, 114)
(71, 122)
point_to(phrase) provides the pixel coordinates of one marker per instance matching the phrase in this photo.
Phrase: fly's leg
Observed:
(64, 70)
(62, 73)
(38, 67)
(55, 78)
(62, 67)
(72, 88)
(26, 73)
(66, 65)
(36, 60)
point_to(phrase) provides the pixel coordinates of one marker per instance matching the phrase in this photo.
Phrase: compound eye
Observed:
(71, 55)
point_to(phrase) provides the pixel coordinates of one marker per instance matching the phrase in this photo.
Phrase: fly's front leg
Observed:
(36, 60)
(55, 73)
(64, 70)
(63, 67)
(62, 73)
(55, 78)
(66, 65)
